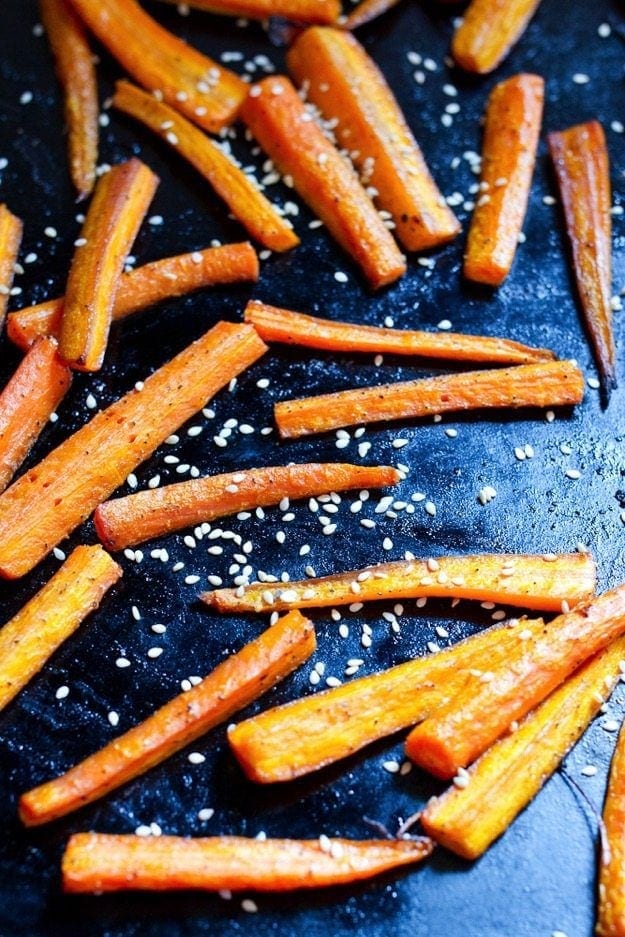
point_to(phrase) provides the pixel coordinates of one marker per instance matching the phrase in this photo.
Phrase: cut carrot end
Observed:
(10, 239)
(488, 31)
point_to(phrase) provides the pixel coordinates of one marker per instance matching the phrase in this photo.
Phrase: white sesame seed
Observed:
(340, 277)
(580, 78)
(62, 692)
(247, 904)
(196, 758)
(122, 662)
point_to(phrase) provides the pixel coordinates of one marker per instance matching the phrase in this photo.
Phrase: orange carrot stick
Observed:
(298, 11)
(488, 31)
(245, 201)
(233, 684)
(51, 616)
(120, 201)
(286, 131)
(611, 898)
(547, 384)
(349, 89)
(26, 403)
(157, 511)
(51, 499)
(76, 73)
(366, 11)
(513, 117)
(10, 238)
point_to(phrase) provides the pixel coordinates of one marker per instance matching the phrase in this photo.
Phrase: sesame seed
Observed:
(62, 692)
(340, 277)
(249, 906)
(391, 766)
(580, 78)
(122, 663)
(196, 758)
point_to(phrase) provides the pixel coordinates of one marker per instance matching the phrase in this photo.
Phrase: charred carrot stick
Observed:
(120, 201)
(488, 31)
(157, 511)
(286, 131)
(366, 11)
(298, 11)
(463, 729)
(533, 581)
(611, 897)
(76, 73)
(194, 84)
(51, 616)
(255, 212)
(235, 682)
(51, 499)
(513, 118)
(547, 384)
(349, 89)
(10, 239)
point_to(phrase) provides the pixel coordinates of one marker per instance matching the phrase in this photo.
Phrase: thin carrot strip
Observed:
(245, 200)
(488, 31)
(120, 201)
(533, 581)
(349, 89)
(51, 616)
(611, 892)
(76, 73)
(10, 238)
(513, 118)
(157, 511)
(366, 11)
(149, 284)
(233, 684)
(286, 131)
(547, 384)
(51, 499)
(298, 11)
(208, 94)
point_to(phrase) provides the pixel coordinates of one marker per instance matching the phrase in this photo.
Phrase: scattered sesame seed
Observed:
(62, 692)
(196, 758)
(247, 904)
(340, 277)
(122, 662)
(580, 78)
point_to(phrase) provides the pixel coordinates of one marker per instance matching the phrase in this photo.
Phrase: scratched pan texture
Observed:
(540, 877)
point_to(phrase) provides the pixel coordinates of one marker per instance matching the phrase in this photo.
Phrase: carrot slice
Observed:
(233, 684)
(367, 11)
(151, 283)
(611, 903)
(547, 384)
(255, 212)
(298, 11)
(464, 728)
(26, 403)
(120, 201)
(10, 238)
(287, 132)
(488, 31)
(580, 158)
(76, 73)
(51, 616)
(157, 511)
(51, 499)
(349, 89)
(533, 581)
(513, 118)
(195, 85)
(471, 815)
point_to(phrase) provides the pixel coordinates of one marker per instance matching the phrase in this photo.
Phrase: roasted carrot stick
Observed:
(51, 499)
(120, 201)
(366, 11)
(488, 31)
(298, 11)
(10, 239)
(286, 131)
(547, 384)
(195, 85)
(51, 616)
(157, 511)
(151, 283)
(26, 403)
(611, 898)
(76, 73)
(468, 818)
(349, 89)
(533, 581)
(245, 201)
(580, 158)
(235, 682)
(513, 118)
(463, 729)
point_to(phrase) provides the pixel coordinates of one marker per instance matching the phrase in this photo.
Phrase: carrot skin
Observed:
(488, 31)
(366, 11)
(611, 890)
(11, 229)
(298, 11)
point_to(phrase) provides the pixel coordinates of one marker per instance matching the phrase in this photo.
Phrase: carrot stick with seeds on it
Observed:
(611, 890)
(298, 11)
(10, 239)
(488, 31)
(366, 11)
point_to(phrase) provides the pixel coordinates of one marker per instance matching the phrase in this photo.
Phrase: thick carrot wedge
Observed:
(287, 132)
(100, 862)
(611, 897)
(533, 581)
(298, 11)
(548, 384)
(26, 403)
(120, 201)
(366, 11)
(349, 89)
(10, 238)
(580, 158)
(513, 118)
(195, 85)
(151, 283)
(157, 511)
(235, 682)
(462, 730)
(488, 31)
(468, 818)
(295, 328)
(28, 640)
(51, 499)
(76, 72)
(245, 201)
